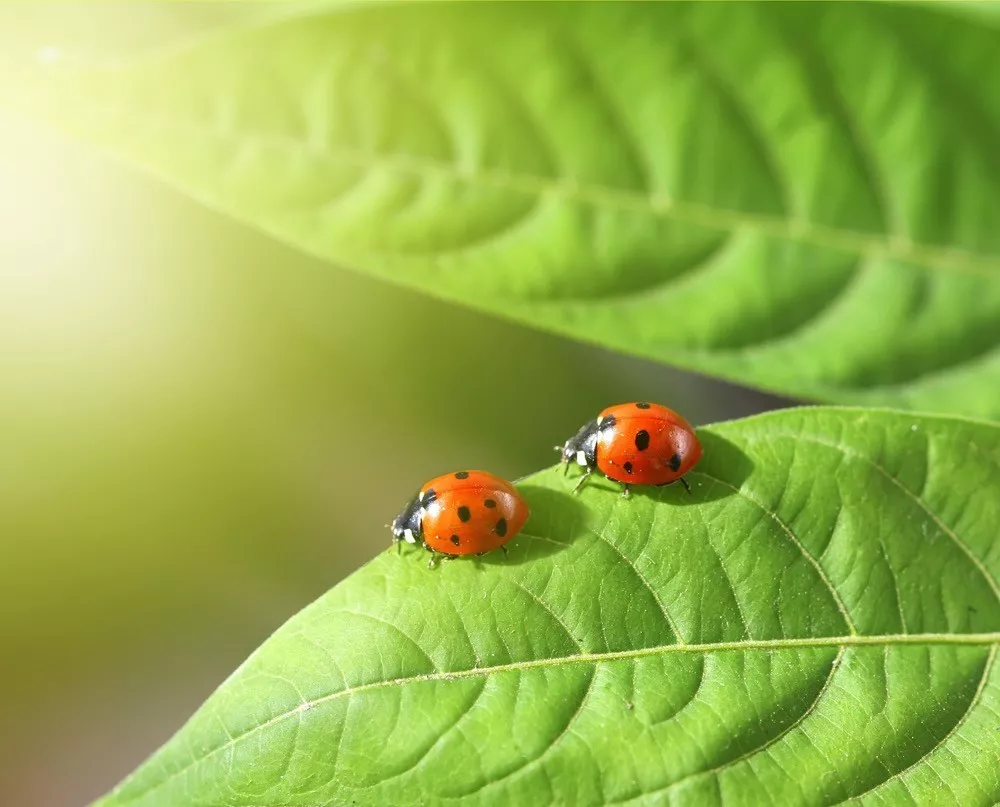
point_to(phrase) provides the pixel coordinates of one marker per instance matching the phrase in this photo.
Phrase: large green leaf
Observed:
(804, 198)
(817, 622)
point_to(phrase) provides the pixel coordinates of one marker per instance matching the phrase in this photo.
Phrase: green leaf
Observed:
(804, 198)
(817, 622)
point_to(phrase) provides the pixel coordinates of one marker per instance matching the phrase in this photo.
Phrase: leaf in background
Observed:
(800, 198)
(817, 622)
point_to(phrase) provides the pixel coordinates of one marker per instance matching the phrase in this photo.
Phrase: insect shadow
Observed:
(723, 468)
(557, 519)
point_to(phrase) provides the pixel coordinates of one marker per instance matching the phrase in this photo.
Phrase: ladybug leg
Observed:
(504, 550)
(583, 479)
(626, 489)
(687, 487)
(562, 460)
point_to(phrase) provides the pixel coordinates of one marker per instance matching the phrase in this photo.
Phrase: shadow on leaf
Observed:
(722, 471)
(557, 519)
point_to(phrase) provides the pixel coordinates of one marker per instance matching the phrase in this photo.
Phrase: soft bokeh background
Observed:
(202, 430)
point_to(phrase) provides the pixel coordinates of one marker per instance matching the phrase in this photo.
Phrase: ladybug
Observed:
(635, 443)
(463, 513)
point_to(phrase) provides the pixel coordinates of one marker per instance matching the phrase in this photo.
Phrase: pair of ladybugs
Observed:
(474, 512)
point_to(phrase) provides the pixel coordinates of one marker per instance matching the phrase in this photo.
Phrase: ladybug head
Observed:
(581, 448)
(407, 526)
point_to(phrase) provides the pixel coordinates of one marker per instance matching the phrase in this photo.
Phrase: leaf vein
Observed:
(763, 747)
(926, 255)
(437, 741)
(663, 609)
(987, 668)
(555, 741)
(849, 623)
(746, 645)
(849, 452)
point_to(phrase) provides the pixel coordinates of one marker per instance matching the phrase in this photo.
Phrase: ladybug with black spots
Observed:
(462, 513)
(635, 444)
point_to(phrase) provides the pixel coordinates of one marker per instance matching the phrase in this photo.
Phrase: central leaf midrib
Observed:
(928, 256)
(885, 640)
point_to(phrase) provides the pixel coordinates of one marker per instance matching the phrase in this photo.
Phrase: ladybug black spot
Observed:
(490, 504)
(501, 528)
(642, 405)
(428, 496)
(642, 440)
(454, 540)
(628, 467)
(606, 422)
(462, 475)
(464, 514)
(675, 462)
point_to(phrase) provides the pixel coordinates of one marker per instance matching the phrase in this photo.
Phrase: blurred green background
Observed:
(202, 430)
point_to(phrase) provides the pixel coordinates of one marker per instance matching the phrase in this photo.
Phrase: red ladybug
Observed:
(463, 513)
(635, 443)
